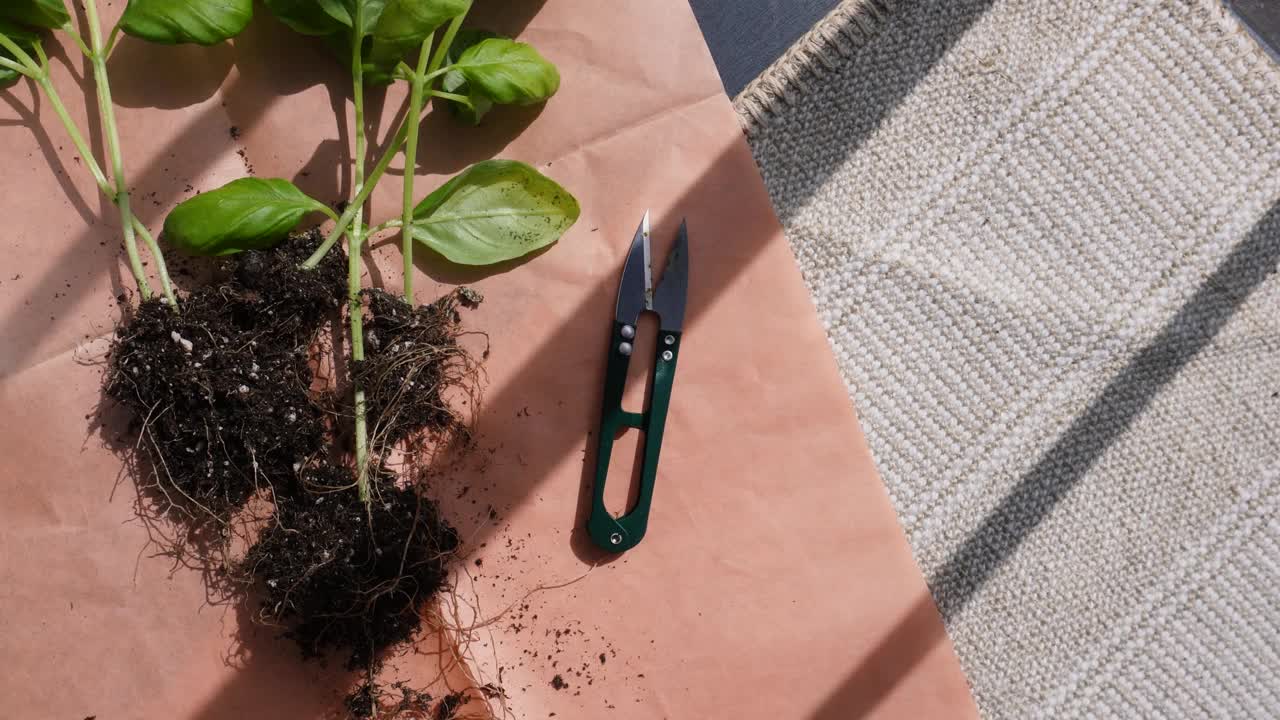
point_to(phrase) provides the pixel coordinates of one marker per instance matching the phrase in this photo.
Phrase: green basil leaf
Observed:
(508, 72)
(455, 82)
(244, 214)
(344, 11)
(304, 16)
(170, 22)
(406, 23)
(493, 211)
(25, 39)
(401, 28)
(340, 10)
(50, 14)
(465, 39)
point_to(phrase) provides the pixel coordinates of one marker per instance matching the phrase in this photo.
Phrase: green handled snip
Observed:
(636, 294)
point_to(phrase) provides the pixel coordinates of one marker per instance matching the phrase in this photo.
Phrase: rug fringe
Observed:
(813, 57)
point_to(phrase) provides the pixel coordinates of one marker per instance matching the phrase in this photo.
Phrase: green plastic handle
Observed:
(623, 533)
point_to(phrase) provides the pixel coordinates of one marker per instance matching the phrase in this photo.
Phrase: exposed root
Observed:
(222, 390)
(344, 578)
(414, 370)
(232, 450)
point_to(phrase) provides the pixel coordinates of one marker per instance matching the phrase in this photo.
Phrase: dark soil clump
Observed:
(223, 402)
(347, 577)
(221, 391)
(412, 358)
(368, 700)
(449, 704)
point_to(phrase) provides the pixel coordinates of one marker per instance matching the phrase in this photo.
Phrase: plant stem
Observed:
(355, 312)
(111, 41)
(360, 199)
(162, 269)
(397, 142)
(452, 96)
(443, 50)
(16, 67)
(80, 41)
(77, 139)
(410, 168)
(121, 195)
(24, 64)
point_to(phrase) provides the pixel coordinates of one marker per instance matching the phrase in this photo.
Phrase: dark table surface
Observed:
(1262, 17)
(745, 36)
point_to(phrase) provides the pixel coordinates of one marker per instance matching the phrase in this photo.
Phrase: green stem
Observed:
(16, 67)
(162, 269)
(25, 64)
(112, 132)
(328, 211)
(410, 168)
(384, 225)
(111, 41)
(84, 48)
(443, 50)
(393, 149)
(355, 312)
(77, 139)
(362, 196)
(452, 96)
(432, 74)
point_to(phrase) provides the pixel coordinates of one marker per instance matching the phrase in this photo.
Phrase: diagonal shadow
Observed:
(587, 325)
(589, 322)
(1104, 421)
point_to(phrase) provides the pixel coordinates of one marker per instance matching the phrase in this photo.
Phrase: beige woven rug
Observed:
(1043, 235)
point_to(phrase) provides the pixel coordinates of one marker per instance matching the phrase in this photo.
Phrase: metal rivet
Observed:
(667, 355)
(615, 538)
(670, 339)
(628, 332)
(624, 348)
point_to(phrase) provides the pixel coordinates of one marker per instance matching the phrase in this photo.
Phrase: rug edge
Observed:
(813, 57)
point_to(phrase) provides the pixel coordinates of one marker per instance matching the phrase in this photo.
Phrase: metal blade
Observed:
(636, 288)
(673, 288)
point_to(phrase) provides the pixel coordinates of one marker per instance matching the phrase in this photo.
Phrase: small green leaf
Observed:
(493, 211)
(344, 11)
(170, 22)
(508, 72)
(455, 82)
(244, 214)
(340, 10)
(25, 39)
(406, 23)
(304, 16)
(50, 14)
(401, 28)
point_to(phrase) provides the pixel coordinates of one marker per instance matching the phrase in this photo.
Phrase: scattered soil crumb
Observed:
(449, 705)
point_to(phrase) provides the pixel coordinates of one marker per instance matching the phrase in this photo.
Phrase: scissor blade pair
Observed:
(635, 291)
(673, 288)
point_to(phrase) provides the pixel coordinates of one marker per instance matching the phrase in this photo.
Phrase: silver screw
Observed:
(615, 538)
(668, 355)
(624, 348)
(670, 339)
(628, 332)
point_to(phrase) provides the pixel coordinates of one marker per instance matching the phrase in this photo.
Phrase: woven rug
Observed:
(1043, 236)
